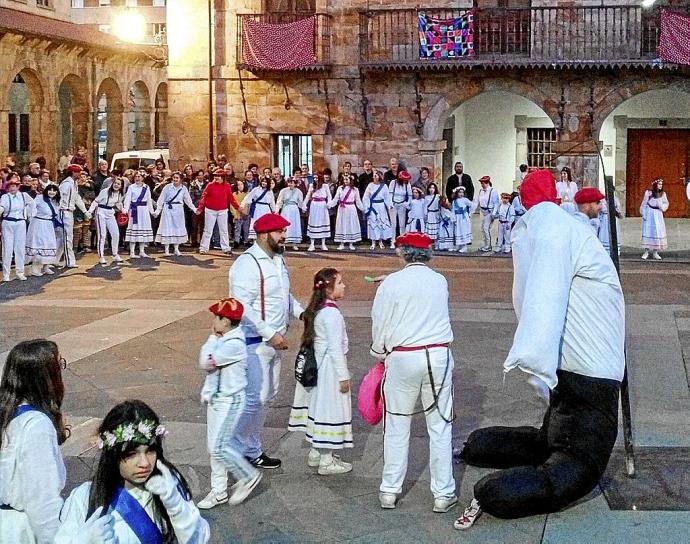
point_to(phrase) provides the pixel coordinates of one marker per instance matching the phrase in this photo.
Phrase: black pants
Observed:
(549, 468)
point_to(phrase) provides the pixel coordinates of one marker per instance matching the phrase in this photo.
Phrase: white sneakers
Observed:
(443, 504)
(340, 247)
(211, 500)
(387, 500)
(645, 255)
(332, 464)
(311, 247)
(21, 277)
(240, 491)
(373, 245)
(117, 259)
(469, 516)
(656, 255)
(102, 261)
(313, 458)
(352, 247)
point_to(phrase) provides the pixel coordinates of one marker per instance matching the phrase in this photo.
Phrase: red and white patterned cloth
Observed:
(674, 42)
(284, 46)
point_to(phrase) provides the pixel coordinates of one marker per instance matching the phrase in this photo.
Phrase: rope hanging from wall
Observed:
(328, 108)
(364, 101)
(245, 125)
(288, 102)
(419, 125)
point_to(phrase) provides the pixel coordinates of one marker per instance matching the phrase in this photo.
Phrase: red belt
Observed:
(419, 348)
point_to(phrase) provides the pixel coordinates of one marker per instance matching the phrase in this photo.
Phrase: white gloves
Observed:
(164, 485)
(99, 529)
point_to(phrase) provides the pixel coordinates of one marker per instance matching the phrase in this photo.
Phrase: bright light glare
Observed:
(129, 27)
(648, 3)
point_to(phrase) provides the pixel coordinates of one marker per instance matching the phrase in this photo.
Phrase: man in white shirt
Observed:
(69, 200)
(570, 340)
(487, 201)
(410, 328)
(259, 280)
(589, 200)
(15, 209)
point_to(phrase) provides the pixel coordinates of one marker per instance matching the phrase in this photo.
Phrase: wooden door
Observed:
(656, 153)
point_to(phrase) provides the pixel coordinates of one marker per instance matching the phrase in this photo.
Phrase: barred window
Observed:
(540, 142)
(290, 151)
(43, 3)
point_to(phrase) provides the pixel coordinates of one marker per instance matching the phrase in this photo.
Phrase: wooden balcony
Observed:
(547, 37)
(322, 37)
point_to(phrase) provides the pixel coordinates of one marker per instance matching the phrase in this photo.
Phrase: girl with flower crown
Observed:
(324, 412)
(136, 495)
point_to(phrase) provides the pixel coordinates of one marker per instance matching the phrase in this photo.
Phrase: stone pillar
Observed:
(4, 128)
(431, 153)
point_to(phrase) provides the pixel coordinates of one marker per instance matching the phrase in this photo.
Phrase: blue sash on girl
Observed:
(460, 210)
(172, 200)
(136, 517)
(56, 222)
(428, 208)
(252, 207)
(138, 202)
(23, 408)
(373, 199)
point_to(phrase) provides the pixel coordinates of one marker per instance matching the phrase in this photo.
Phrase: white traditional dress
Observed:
(462, 210)
(416, 215)
(323, 412)
(653, 225)
(376, 202)
(565, 190)
(604, 219)
(258, 202)
(445, 238)
(433, 215)
(347, 227)
(139, 204)
(319, 222)
(171, 202)
(290, 203)
(41, 242)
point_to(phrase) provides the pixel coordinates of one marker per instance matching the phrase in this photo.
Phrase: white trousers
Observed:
(106, 224)
(486, 229)
(398, 217)
(66, 247)
(503, 240)
(13, 243)
(210, 219)
(263, 378)
(222, 416)
(406, 375)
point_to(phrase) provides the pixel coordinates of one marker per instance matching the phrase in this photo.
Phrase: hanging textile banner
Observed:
(446, 38)
(283, 46)
(674, 41)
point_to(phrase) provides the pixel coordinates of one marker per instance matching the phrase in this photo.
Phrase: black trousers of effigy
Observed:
(549, 468)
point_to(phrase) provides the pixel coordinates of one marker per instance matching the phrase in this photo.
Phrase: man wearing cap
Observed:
(15, 208)
(504, 214)
(411, 332)
(487, 201)
(214, 204)
(259, 280)
(69, 201)
(401, 194)
(562, 277)
(588, 200)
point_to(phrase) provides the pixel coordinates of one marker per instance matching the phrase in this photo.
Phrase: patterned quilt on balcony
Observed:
(446, 38)
(674, 42)
(283, 46)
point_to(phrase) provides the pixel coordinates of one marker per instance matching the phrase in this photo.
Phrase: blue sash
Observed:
(138, 202)
(136, 517)
(371, 201)
(23, 408)
(460, 210)
(428, 208)
(252, 207)
(56, 222)
(171, 201)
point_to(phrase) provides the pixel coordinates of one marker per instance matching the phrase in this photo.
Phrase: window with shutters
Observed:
(540, 144)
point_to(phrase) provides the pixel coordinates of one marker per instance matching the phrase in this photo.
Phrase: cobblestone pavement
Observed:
(135, 330)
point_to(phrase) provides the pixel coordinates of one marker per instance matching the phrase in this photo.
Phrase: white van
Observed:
(139, 159)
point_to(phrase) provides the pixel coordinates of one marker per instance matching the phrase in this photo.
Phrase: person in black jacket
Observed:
(459, 179)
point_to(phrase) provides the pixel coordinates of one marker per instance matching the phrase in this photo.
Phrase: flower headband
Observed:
(320, 283)
(142, 432)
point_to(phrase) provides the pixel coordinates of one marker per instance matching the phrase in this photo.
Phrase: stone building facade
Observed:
(368, 95)
(64, 85)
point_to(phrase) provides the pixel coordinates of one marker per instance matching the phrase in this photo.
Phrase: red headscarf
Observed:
(538, 187)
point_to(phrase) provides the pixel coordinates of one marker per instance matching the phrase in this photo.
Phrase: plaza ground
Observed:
(134, 332)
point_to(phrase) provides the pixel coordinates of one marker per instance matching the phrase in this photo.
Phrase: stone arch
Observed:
(109, 119)
(25, 99)
(73, 113)
(161, 115)
(139, 116)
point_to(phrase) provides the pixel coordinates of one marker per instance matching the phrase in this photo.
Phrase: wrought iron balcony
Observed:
(322, 37)
(551, 37)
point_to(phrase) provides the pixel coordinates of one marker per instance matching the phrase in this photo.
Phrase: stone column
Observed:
(431, 153)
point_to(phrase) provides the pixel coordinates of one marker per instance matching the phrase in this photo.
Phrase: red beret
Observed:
(74, 169)
(505, 195)
(414, 239)
(404, 175)
(229, 308)
(270, 222)
(539, 186)
(485, 179)
(588, 194)
(219, 172)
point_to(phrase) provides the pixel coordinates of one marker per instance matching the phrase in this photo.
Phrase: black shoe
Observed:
(265, 462)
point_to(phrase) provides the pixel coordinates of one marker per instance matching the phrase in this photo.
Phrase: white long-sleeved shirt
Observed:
(225, 360)
(32, 475)
(133, 193)
(330, 341)
(175, 196)
(69, 196)
(567, 297)
(289, 197)
(17, 206)
(504, 213)
(400, 192)
(279, 304)
(487, 200)
(187, 523)
(353, 198)
(105, 199)
(410, 309)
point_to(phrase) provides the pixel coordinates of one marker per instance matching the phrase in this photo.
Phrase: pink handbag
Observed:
(369, 399)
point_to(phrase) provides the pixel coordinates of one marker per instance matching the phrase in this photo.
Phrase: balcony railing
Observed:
(322, 36)
(581, 36)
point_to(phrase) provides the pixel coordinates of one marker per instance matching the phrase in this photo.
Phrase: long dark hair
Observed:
(55, 200)
(33, 375)
(107, 478)
(656, 191)
(324, 280)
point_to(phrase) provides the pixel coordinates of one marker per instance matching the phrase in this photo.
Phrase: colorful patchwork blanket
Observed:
(446, 38)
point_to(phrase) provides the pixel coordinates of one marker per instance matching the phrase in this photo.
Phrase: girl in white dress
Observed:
(347, 227)
(136, 495)
(172, 230)
(32, 472)
(139, 205)
(258, 202)
(654, 204)
(324, 412)
(41, 242)
(565, 190)
(377, 203)
(462, 211)
(319, 222)
(416, 215)
(104, 205)
(290, 201)
(433, 211)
